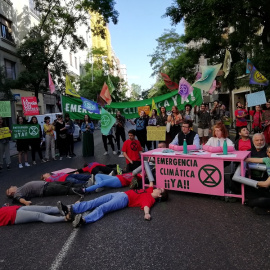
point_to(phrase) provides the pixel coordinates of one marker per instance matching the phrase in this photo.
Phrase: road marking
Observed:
(62, 254)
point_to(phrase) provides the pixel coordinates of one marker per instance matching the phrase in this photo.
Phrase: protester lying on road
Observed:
(95, 167)
(10, 215)
(75, 178)
(40, 189)
(102, 180)
(144, 199)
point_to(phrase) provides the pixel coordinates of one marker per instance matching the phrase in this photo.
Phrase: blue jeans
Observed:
(78, 178)
(103, 180)
(104, 204)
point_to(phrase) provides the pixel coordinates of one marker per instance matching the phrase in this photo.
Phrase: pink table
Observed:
(194, 172)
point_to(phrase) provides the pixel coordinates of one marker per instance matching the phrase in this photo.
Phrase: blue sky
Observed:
(134, 37)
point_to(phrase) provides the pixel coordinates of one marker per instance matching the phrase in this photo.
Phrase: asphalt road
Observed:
(190, 231)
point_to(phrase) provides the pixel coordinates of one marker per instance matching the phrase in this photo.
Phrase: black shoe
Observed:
(63, 209)
(78, 221)
(261, 211)
(78, 191)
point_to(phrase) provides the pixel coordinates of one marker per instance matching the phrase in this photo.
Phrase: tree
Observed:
(135, 92)
(5, 86)
(57, 28)
(91, 84)
(242, 27)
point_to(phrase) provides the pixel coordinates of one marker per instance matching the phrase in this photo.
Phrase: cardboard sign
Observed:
(25, 132)
(4, 133)
(5, 109)
(146, 109)
(190, 175)
(257, 98)
(156, 133)
(30, 106)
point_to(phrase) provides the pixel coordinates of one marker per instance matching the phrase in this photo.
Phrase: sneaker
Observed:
(61, 158)
(78, 221)
(26, 164)
(78, 191)
(34, 163)
(134, 183)
(91, 180)
(20, 166)
(68, 156)
(105, 154)
(261, 211)
(43, 160)
(8, 167)
(63, 209)
(114, 153)
(99, 189)
(111, 173)
(121, 155)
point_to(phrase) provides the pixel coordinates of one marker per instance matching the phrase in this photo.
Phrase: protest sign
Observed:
(156, 133)
(257, 98)
(5, 109)
(4, 133)
(25, 132)
(146, 109)
(190, 175)
(30, 106)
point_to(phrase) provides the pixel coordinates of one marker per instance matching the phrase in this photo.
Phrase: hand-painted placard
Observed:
(156, 133)
(5, 109)
(190, 175)
(25, 132)
(257, 98)
(146, 109)
(30, 106)
(4, 133)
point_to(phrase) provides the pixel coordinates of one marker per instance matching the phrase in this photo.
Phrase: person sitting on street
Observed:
(266, 161)
(244, 143)
(75, 178)
(191, 137)
(132, 150)
(144, 199)
(40, 189)
(102, 180)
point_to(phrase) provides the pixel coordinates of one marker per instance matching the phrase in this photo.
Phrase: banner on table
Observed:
(190, 175)
(129, 110)
(156, 133)
(25, 132)
(4, 133)
(30, 106)
(5, 109)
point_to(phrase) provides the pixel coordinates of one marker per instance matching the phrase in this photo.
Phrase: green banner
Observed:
(130, 109)
(25, 132)
(5, 109)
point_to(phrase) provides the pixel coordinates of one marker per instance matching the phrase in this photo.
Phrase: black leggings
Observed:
(103, 169)
(59, 188)
(35, 147)
(120, 132)
(104, 139)
(262, 202)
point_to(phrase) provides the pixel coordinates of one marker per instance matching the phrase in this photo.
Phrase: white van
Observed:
(53, 116)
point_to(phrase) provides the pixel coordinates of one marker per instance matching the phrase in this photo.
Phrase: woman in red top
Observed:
(10, 215)
(257, 119)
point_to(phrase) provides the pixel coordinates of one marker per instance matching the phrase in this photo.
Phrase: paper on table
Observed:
(163, 154)
(222, 156)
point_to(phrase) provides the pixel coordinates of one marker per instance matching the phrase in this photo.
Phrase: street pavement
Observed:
(190, 231)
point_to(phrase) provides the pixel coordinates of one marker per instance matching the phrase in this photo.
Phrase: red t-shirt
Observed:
(91, 166)
(244, 145)
(257, 122)
(126, 178)
(8, 215)
(140, 198)
(59, 177)
(240, 122)
(132, 148)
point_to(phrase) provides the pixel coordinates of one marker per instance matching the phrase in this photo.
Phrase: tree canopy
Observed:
(212, 26)
(40, 48)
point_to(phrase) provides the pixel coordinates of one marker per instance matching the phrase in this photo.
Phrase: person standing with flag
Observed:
(88, 129)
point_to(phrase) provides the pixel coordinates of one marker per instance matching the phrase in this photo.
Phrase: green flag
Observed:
(107, 121)
(110, 85)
